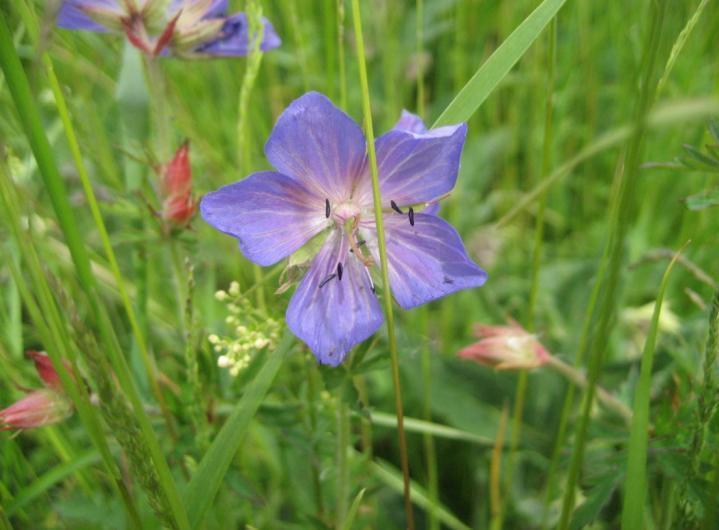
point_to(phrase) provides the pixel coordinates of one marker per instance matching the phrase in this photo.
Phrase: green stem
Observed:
(22, 96)
(621, 219)
(387, 294)
(74, 145)
(341, 52)
(420, 48)
(343, 479)
(430, 453)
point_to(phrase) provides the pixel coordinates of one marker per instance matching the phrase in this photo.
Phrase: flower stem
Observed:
(343, 441)
(622, 211)
(387, 295)
(420, 65)
(256, 28)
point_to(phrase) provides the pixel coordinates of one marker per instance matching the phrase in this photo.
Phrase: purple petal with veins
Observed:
(333, 318)
(319, 145)
(426, 261)
(416, 167)
(269, 213)
(233, 39)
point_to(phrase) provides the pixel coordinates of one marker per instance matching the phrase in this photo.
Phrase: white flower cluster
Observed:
(251, 332)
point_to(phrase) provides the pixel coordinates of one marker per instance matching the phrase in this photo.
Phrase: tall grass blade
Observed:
(392, 478)
(635, 486)
(29, 116)
(622, 209)
(489, 75)
(352, 513)
(382, 244)
(51, 478)
(208, 478)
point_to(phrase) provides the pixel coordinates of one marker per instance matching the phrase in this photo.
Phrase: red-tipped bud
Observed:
(45, 369)
(178, 206)
(506, 348)
(37, 409)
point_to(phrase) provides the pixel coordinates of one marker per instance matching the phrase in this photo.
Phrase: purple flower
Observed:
(185, 28)
(322, 191)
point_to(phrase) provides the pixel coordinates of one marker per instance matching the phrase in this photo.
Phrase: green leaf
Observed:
(208, 478)
(700, 157)
(392, 478)
(596, 499)
(635, 485)
(426, 427)
(486, 79)
(350, 519)
(49, 479)
(703, 200)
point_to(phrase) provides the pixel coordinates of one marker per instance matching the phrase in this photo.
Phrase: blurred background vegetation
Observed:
(286, 472)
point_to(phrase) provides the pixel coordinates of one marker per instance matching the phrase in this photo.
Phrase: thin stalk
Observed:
(521, 389)
(341, 53)
(256, 29)
(430, 453)
(312, 416)
(54, 335)
(420, 49)
(343, 478)
(620, 223)
(636, 483)
(158, 92)
(30, 119)
(387, 295)
(74, 146)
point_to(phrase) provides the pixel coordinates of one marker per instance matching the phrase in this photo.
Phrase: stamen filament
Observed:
(327, 280)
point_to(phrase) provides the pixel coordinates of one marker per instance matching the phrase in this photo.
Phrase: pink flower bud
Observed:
(506, 348)
(45, 369)
(178, 206)
(37, 409)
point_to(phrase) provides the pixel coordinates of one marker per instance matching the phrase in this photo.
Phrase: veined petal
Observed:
(410, 122)
(208, 8)
(332, 318)
(269, 213)
(233, 39)
(73, 16)
(416, 167)
(426, 261)
(319, 145)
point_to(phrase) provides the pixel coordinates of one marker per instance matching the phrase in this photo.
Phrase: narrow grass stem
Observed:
(341, 52)
(623, 208)
(420, 62)
(22, 96)
(74, 146)
(387, 294)
(522, 382)
(343, 443)
(430, 454)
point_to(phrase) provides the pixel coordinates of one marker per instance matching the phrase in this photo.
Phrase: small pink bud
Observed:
(45, 369)
(37, 409)
(505, 348)
(178, 206)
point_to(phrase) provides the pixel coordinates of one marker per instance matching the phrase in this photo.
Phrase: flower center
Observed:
(344, 211)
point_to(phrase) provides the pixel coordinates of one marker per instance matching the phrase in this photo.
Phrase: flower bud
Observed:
(506, 348)
(178, 206)
(37, 409)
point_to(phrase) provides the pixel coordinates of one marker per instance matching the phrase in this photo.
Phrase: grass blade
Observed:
(352, 513)
(486, 79)
(392, 478)
(49, 479)
(634, 487)
(382, 419)
(214, 465)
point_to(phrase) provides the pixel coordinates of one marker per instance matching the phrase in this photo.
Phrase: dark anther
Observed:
(395, 207)
(327, 208)
(411, 216)
(327, 280)
(339, 271)
(374, 291)
(448, 280)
